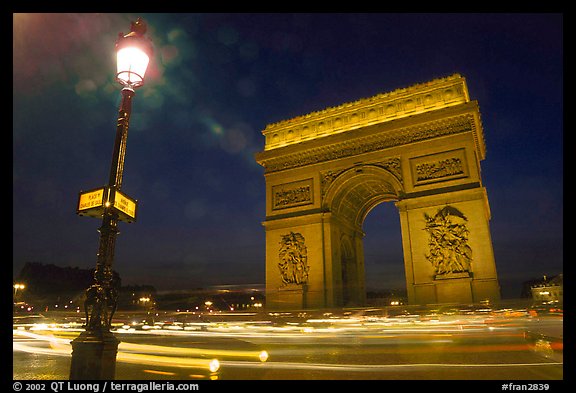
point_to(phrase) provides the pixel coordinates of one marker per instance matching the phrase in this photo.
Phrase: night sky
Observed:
(216, 81)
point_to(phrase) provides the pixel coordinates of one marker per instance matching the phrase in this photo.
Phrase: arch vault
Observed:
(419, 147)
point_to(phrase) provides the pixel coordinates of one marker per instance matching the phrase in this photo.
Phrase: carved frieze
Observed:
(449, 252)
(443, 166)
(369, 144)
(293, 255)
(292, 194)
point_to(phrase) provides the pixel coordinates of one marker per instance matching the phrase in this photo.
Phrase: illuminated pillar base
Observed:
(291, 296)
(94, 356)
(455, 288)
(423, 284)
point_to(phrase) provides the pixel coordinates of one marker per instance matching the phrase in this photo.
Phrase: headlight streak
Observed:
(378, 335)
(214, 365)
(62, 347)
(375, 367)
(158, 349)
(59, 348)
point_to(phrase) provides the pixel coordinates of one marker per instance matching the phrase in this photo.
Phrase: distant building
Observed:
(549, 290)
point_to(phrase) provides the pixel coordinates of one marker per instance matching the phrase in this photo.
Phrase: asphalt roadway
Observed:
(505, 346)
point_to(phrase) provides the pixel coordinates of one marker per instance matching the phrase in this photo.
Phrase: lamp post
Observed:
(94, 351)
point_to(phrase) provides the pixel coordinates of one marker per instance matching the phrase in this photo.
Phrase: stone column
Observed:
(448, 248)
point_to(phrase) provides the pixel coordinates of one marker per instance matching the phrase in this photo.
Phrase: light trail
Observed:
(62, 347)
(158, 349)
(374, 367)
(294, 339)
(144, 348)
(187, 362)
(146, 354)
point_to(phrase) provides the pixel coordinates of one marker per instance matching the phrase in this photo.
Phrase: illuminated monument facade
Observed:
(421, 148)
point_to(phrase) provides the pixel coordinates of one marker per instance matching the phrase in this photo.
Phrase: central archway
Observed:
(350, 197)
(383, 256)
(418, 147)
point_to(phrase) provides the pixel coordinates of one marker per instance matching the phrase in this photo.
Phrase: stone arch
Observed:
(349, 197)
(419, 147)
(356, 191)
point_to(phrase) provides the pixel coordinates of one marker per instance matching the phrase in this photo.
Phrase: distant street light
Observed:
(94, 351)
(18, 286)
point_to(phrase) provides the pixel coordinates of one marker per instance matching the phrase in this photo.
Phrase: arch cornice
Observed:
(381, 108)
(448, 121)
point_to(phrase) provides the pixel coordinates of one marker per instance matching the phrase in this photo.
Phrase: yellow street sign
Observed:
(95, 202)
(125, 205)
(91, 203)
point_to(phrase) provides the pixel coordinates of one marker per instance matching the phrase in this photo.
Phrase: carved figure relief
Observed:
(448, 242)
(326, 178)
(292, 197)
(394, 166)
(292, 194)
(293, 256)
(442, 168)
(439, 167)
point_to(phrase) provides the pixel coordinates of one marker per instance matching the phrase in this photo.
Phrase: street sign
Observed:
(91, 203)
(125, 207)
(94, 203)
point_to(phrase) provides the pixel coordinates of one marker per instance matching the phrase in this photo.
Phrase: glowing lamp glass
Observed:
(131, 66)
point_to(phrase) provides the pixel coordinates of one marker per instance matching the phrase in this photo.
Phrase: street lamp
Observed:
(18, 286)
(94, 351)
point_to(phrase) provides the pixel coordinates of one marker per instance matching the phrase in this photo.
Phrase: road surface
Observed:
(357, 345)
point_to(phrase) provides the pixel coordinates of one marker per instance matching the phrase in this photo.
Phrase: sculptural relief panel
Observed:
(434, 168)
(292, 194)
(449, 251)
(293, 259)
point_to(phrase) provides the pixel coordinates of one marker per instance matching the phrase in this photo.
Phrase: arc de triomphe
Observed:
(419, 146)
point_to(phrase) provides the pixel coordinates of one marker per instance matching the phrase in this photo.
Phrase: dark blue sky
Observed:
(216, 81)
